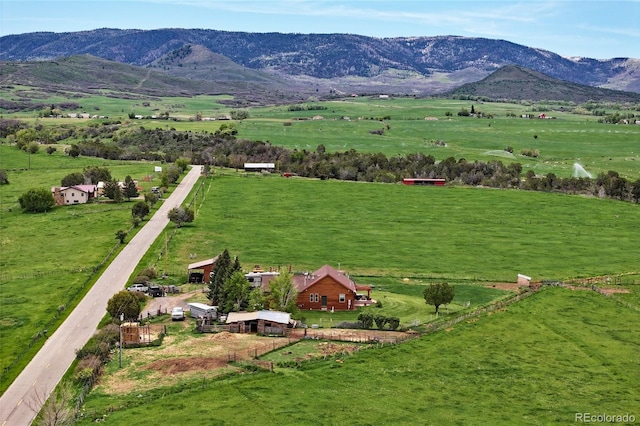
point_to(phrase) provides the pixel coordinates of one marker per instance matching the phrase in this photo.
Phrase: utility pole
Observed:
(121, 321)
(166, 254)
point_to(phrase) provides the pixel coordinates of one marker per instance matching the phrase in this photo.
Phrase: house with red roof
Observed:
(325, 289)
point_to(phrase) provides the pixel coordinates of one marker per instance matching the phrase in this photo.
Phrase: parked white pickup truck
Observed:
(139, 287)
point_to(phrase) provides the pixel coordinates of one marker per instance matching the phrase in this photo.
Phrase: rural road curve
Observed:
(21, 402)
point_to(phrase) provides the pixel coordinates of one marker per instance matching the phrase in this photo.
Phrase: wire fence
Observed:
(61, 311)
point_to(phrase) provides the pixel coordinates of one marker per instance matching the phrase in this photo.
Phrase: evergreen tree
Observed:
(130, 188)
(220, 274)
(112, 190)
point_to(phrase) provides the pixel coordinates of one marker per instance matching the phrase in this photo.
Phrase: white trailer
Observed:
(200, 310)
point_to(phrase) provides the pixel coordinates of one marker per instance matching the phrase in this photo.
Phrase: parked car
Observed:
(139, 287)
(156, 291)
(177, 314)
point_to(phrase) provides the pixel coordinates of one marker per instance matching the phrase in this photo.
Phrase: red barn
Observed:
(325, 289)
(200, 272)
(423, 181)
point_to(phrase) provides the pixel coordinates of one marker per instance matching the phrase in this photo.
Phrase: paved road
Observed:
(19, 404)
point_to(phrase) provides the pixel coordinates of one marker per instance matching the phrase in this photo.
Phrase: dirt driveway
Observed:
(166, 303)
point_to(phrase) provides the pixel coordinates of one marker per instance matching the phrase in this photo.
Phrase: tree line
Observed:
(222, 148)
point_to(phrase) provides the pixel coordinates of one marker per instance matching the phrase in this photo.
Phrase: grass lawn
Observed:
(540, 361)
(405, 301)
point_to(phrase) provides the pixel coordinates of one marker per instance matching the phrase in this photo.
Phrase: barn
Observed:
(325, 289)
(200, 272)
(261, 322)
(424, 181)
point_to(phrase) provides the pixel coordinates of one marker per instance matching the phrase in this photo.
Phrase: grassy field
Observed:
(538, 362)
(465, 236)
(561, 142)
(118, 108)
(47, 261)
(568, 139)
(434, 233)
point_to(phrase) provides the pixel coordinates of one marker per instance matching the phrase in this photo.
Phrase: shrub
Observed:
(88, 370)
(366, 320)
(37, 200)
(393, 323)
(380, 321)
(141, 279)
(150, 272)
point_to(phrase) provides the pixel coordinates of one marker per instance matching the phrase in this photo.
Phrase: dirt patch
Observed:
(614, 290)
(505, 286)
(605, 291)
(180, 365)
(351, 335)
(166, 303)
(184, 358)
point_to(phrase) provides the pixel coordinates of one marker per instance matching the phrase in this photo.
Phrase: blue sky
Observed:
(595, 29)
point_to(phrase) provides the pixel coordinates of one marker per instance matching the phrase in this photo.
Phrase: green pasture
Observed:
(561, 142)
(47, 260)
(118, 106)
(433, 233)
(539, 361)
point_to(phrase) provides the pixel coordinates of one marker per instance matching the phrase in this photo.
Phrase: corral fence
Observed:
(250, 357)
(147, 315)
(433, 327)
(256, 352)
(355, 336)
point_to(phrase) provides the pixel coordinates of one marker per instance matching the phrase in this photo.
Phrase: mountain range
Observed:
(320, 63)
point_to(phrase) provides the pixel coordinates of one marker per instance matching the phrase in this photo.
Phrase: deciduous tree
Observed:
(124, 302)
(121, 235)
(236, 292)
(438, 294)
(282, 293)
(180, 215)
(72, 179)
(140, 209)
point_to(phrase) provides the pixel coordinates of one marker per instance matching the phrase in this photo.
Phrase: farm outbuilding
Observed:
(259, 167)
(200, 272)
(424, 181)
(261, 322)
(133, 333)
(325, 289)
(524, 280)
